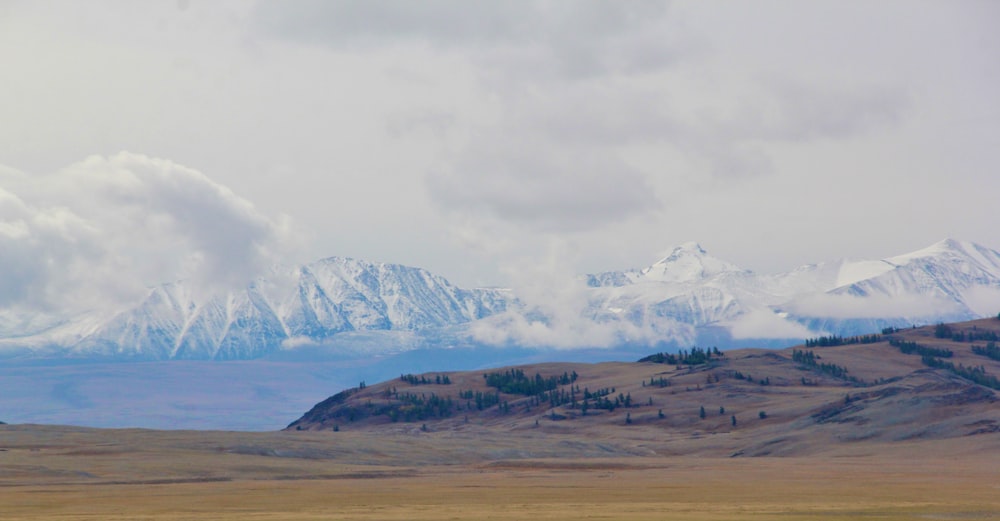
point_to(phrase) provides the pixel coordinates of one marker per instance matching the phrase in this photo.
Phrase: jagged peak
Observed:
(687, 262)
(684, 249)
(951, 247)
(361, 263)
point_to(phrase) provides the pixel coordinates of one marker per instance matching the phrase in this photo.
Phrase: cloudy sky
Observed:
(141, 142)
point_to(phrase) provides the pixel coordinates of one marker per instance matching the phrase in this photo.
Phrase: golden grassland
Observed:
(88, 474)
(901, 441)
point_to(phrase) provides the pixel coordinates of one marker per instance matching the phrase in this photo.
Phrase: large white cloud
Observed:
(360, 118)
(99, 232)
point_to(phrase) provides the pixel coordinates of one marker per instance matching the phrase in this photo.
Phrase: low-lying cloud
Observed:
(556, 309)
(99, 232)
(843, 306)
(764, 323)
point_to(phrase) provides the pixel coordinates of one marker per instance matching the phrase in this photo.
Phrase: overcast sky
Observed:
(480, 139)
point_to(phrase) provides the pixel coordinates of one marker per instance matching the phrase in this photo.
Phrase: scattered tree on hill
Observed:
(657, 382)
(423, 380)
(695, 356)
(514, 381)
(809, 359)
(942, 331)
(733, 420)
(762, 415)
(975, 374)
(945, 331)
(910, 348)
(722, 410)
(701, 413)
(834, 340)
(974, 335)
(990, 351)
(481, 399)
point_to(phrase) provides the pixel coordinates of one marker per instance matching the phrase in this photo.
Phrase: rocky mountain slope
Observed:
(280, 311)
(687, 298)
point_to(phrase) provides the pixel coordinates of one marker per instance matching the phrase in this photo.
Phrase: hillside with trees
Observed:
(919, 383)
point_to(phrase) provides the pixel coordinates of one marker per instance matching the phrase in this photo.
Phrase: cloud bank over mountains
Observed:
(136, 257)
(465, 137)
(101, 232)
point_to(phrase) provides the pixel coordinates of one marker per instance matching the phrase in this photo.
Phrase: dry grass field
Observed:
(79, 474)
(900, 441)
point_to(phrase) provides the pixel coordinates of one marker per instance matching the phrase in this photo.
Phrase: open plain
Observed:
(83, 474)
(874, 428)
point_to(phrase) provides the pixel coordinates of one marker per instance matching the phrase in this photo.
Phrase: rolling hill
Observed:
(915, 384)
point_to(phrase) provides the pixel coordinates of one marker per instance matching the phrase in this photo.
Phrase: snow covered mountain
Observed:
(285, 310)
(945, 282)
(690, 293)
(688, 297)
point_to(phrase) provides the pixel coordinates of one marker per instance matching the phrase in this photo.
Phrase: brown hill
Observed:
(920, 384)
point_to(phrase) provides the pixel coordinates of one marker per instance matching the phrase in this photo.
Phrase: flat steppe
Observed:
(90, 474)
(898, 441)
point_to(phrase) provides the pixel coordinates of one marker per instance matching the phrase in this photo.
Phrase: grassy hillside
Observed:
(917, 384)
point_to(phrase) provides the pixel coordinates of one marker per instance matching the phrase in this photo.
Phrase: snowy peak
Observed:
(947, 269)
(952, 251)
(688, 262)
(307, 304)
(685, 294)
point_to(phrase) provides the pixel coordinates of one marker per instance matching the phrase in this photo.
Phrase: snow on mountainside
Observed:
(671, 299)
(945, 282)
(307, 305)
(688, 297)
(689, 293)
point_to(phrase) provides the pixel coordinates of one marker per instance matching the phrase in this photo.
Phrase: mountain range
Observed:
(342, 306)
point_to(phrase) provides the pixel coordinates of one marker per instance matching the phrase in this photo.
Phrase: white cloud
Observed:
(764, 323)
(544, 189)
(99, 232)
(983, 301)
(556, 309)
(872, 306)
(344, 114)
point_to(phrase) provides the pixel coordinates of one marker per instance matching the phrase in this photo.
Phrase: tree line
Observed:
(975, 374)
(514, 381)
(910, 348)
(991, 351)
(695, 356)
(809, 359)
(945, 331)
(423, 380)
(835, 340)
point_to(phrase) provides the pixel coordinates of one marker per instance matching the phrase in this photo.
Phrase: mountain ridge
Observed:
(685, 298)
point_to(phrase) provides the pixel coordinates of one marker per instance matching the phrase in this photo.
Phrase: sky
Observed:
(145, 142)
